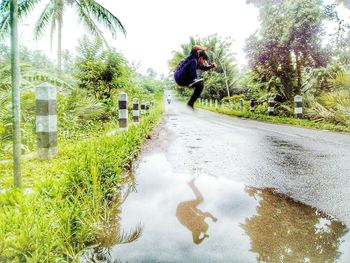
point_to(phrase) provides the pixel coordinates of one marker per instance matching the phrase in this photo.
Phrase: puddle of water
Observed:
(201, 218)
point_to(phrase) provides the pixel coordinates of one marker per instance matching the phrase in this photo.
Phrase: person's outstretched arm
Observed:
(206, 67)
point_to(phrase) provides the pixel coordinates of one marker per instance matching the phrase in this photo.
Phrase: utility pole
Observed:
(15, 77)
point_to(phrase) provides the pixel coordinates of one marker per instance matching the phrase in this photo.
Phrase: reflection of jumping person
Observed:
(193, 218)
(186, 73)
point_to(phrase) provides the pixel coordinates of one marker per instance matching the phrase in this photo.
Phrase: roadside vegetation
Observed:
(291, 54)
(245, 113)
(71, 203)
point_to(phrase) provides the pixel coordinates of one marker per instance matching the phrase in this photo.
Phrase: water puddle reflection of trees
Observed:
(111, 233)
(280, 230)
(283, 230)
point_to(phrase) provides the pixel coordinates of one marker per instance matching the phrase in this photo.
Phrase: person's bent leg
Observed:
(198, 88)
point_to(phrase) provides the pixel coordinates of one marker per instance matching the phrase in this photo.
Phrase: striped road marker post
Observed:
(271, 107)
(240, 104)
(298, 106)
(123, 111)
(143, 107)
(136, 111)
(46, 121)
(252, 105)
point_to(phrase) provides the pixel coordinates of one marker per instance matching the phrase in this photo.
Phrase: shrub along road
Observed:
(277, 191)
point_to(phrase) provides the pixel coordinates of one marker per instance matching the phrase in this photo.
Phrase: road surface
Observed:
(212, 188)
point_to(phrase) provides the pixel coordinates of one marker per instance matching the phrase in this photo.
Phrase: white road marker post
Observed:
(123, 111)
(143, 107)
(46, 121)
(298, 106)
(271, 107)
(136, 111)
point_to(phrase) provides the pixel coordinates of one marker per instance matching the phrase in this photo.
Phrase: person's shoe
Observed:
(195, 81)
(191, 106)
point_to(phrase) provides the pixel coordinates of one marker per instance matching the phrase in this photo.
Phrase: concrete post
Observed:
(123, 111)
(298, 106)
(240, 104)
(271, 107)
(210, 103)
(143, 107)
(216, 103)
(46, 121)
(136, 111)
(252, 105)
(231, 105)
(206, 102)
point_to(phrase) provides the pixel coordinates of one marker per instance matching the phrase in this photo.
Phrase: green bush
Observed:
(100, 71)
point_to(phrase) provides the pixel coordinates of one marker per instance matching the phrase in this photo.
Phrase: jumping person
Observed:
(186, 73)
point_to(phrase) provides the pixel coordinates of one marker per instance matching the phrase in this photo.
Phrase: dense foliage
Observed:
(290, 54)
(71, 203)
(87, 101)
(101, 71)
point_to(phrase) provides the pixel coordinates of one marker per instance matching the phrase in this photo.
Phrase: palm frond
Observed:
(132, 236)
(44, 18)
(24, 8)
(4, 5)
(31, 76)
(104, 16)
(87, 21)
(340, 81)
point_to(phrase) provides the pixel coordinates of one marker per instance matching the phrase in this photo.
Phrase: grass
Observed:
(69, 203)
(276, 119)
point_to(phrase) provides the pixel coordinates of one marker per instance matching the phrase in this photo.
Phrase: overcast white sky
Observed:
(157, 27)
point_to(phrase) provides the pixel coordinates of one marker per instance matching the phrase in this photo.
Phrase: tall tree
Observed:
(90, 13)
(15, 75)
(288, 42)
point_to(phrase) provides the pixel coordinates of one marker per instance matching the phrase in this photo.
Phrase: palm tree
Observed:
(90, 14)
(218, 52)
(15, 78)
(183, 53)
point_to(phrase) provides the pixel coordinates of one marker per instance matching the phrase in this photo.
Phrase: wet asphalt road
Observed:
(212, 188)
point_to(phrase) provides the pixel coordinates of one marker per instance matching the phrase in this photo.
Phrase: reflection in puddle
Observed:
(254, 225)
(193, 218)
(111, 233)
(287, 231)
